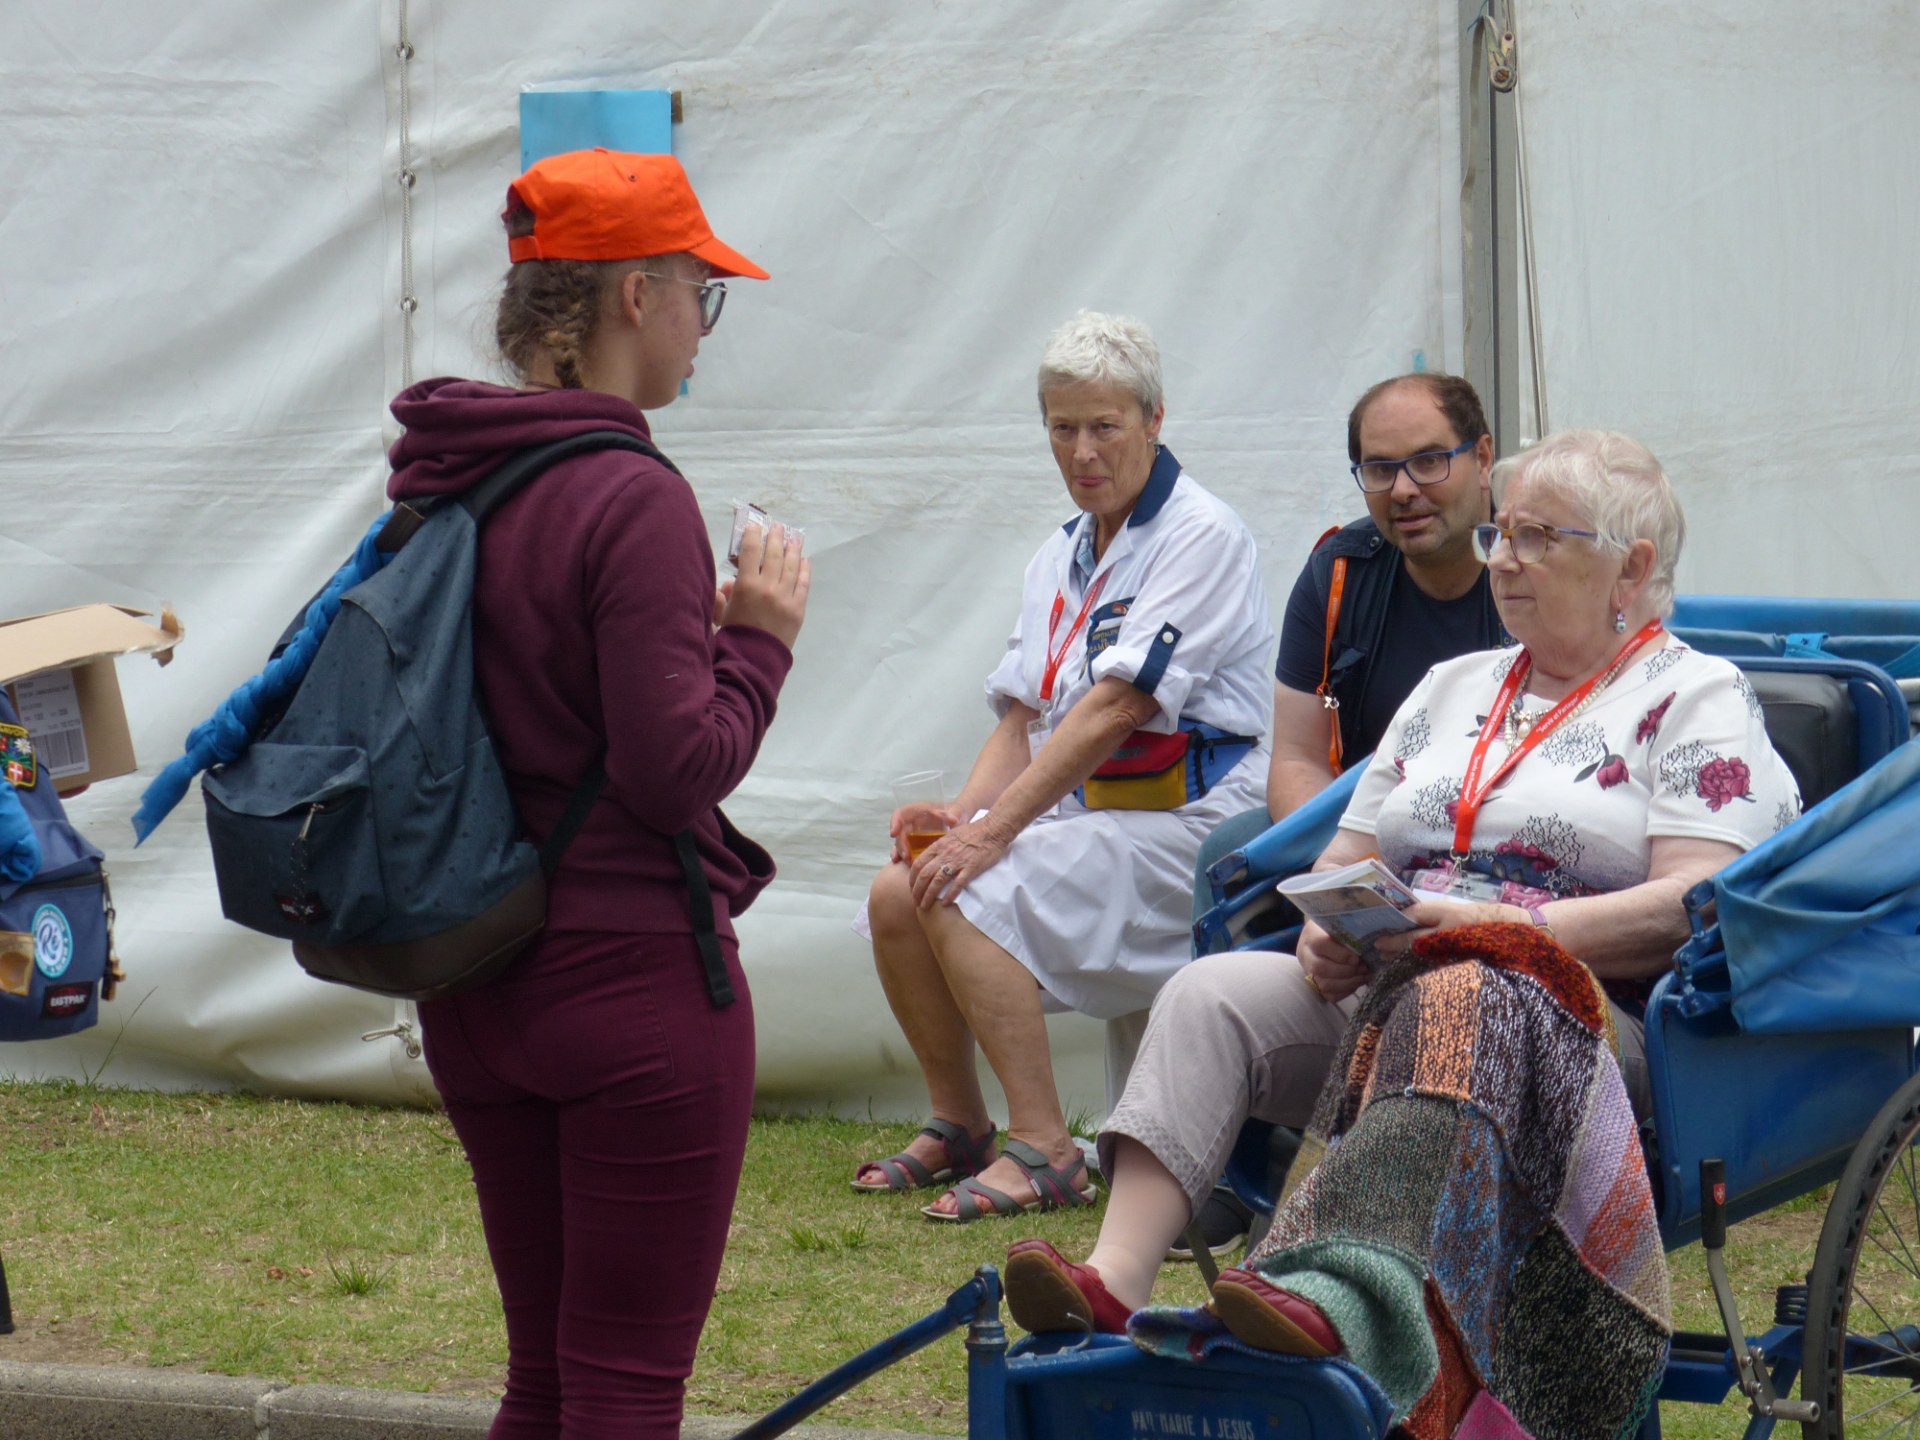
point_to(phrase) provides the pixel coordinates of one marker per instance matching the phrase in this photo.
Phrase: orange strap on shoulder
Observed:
(1325, 688)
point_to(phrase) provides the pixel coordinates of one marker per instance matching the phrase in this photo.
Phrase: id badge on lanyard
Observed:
(1038, 730)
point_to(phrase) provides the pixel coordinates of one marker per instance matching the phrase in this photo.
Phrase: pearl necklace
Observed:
(1519, 722)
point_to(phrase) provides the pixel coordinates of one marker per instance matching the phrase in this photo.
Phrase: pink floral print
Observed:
(1724, 779)
(1649, 725)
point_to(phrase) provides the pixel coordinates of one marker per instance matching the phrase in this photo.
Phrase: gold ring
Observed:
(1313, 982)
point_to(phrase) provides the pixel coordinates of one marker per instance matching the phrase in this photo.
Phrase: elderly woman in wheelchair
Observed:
(1470, 1207)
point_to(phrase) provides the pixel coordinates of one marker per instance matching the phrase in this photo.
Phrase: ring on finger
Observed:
(947, 872)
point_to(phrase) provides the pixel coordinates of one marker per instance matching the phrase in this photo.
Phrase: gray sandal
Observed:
(966, 1155)
(1053, 1189)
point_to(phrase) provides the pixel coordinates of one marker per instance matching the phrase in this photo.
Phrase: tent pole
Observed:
(1490, 226)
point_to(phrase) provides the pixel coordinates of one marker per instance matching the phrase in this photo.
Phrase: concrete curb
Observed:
(85, 1402)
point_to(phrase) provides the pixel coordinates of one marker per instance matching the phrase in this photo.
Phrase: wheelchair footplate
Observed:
(1106, 1388)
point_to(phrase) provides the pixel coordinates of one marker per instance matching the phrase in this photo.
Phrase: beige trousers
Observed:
(1242, 1035)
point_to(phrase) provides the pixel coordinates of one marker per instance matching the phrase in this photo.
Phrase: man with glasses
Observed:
(1401, 590)
(1403, 587)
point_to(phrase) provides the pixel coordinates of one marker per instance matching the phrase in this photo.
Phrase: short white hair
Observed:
(1616, 485)
(1096, 349)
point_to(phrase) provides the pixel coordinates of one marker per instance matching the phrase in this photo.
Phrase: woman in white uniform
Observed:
(1140, 653)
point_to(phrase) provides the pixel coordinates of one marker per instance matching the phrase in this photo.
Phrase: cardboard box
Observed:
(58, 671)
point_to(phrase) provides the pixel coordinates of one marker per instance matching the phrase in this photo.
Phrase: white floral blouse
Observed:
(1676, 745)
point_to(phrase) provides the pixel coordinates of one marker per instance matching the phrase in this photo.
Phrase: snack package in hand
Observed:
(746, 516)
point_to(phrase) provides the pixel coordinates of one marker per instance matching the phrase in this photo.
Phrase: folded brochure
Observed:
(1355, 904)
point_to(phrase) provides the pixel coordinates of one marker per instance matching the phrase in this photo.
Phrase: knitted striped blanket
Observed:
(1471, 1207)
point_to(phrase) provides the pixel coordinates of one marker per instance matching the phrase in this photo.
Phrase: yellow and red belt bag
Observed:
(1151, 771)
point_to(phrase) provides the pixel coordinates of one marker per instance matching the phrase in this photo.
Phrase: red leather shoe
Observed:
(1047, 1292)
(1269, 1318)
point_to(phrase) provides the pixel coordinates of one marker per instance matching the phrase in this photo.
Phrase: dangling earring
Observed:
(1619, 622)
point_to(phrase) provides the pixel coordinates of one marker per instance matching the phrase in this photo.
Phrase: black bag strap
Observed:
(700, 904)
(481, 501)
(583, 799)
(699, 890)
(487, 495)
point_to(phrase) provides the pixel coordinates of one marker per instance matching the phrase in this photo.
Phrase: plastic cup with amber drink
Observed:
(923, 796)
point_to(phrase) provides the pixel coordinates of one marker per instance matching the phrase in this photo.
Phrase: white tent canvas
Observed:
(203, 250)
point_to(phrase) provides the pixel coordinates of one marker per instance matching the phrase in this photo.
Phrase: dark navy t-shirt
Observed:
(1420, 632)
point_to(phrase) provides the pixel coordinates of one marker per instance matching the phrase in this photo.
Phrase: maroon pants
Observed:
(603, 1102)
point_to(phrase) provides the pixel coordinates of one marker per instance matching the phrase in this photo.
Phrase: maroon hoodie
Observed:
(592, 628)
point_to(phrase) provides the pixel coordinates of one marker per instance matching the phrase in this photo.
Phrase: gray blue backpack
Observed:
(368, 821)
(56, 926)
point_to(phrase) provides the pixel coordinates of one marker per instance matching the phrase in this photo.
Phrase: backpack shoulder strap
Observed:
(699, 891)
(506, 481)
(488, 495)
(481, 501)
(585, 796)
(700, 909)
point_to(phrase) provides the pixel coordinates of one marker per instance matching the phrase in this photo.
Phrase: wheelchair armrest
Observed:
(1296, 842)
(1213, 931)
(1286, 849)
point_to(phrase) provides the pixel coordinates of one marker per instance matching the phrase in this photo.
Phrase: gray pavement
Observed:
(86, 1402)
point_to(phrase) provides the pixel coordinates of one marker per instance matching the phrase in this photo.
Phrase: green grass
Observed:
(353, 1278)
(338, 1244)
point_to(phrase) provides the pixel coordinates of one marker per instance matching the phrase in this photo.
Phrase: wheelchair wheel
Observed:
(1863, 1300)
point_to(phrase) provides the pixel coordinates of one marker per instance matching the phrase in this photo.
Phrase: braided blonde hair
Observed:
(549, 309)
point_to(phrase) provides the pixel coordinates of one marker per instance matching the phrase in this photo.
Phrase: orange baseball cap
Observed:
(607, 205)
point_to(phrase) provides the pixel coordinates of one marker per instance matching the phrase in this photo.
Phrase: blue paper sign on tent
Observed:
(553, 122)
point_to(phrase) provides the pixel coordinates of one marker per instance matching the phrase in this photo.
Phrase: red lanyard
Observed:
(1472, 792)
(1056, 657)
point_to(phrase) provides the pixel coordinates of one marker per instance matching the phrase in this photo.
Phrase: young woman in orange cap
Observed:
(602, 1086)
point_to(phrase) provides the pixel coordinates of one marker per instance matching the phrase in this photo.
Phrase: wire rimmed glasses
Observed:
(1528, 539)
(713, 298)
(1429, 467)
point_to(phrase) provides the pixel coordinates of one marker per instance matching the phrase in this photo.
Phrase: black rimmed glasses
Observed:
(713, 298)
(1529, 541)
(1429, 467)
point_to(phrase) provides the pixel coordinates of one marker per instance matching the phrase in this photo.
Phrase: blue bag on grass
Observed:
(56, 919)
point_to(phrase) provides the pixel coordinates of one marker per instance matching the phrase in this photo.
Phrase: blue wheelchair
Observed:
(1781, 1054)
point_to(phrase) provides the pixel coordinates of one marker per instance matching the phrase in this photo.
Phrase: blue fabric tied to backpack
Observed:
(55, 917)
(19, 846)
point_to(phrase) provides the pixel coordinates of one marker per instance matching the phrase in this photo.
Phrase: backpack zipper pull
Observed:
(298, 904)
